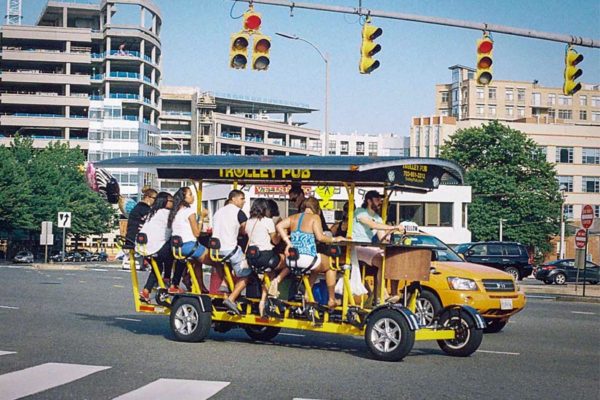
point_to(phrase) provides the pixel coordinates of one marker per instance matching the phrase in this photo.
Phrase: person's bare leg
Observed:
(331, 279)
(237, 289)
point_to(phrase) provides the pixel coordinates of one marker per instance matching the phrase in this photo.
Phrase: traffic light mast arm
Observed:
(478, 26)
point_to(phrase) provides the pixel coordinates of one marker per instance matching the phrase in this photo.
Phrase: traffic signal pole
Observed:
(479, 26)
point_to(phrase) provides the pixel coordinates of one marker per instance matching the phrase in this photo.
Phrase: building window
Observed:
(436, 140)
(360, 148)
(445, 97)
(568, 211)
(454, 95)
(536, 99)
(591, 184)
(455, 75)
(492, 111)
(583, 100)
(566, 182)
(412, 212)
(480, 109)
(372, 148)
(552, 113)
(344, 148)
(564, 155)
(565, 114)
(582, 115)
(480, 94)
(426, 140)
(438, 214)
(597, 211)
(544, 151)
(595, 101)
(551, 99)
(520, 94)
(591, 155)
(332, 147)
(595, 116)
(445, 113)
(95, 114)
(565, 100)
(112, 112)
(510, 112)
(521, 112)
(492, 93)
(509, 94)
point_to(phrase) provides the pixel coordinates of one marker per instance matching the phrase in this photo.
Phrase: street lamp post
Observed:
(325, 149)
(561, 250)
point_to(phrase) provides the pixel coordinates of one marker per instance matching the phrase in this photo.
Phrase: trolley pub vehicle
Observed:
(389, 329)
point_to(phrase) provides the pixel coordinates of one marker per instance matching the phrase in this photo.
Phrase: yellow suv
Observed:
(453, 281)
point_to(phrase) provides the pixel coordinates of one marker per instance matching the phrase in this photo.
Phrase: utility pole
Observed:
(478, 26)
(501, 221)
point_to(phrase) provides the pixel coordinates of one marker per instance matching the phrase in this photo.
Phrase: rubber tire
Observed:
(433, 300)
(514, 272)
(494, 325)
(263, 333)
(547, 282)
(202, 328)
(473, 342)
(162, 297)
(407, 336)
(563, 279)
(593, 282)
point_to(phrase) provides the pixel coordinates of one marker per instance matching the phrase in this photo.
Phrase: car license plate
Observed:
(506, 304)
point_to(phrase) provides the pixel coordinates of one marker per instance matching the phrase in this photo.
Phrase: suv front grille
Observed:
(498, 285)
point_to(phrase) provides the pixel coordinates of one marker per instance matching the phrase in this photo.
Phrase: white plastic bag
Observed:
(356, 285)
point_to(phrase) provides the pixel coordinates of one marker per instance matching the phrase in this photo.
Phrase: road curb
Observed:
(579, 299)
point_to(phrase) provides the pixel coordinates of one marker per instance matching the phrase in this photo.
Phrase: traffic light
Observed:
(260, 52)
(572, 58)
(485, 46)
(238, 53)
(252, 21)
(368, 48)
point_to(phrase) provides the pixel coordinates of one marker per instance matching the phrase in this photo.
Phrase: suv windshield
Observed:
(443, 252)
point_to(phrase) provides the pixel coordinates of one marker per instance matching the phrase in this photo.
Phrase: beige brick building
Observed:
(566, 128)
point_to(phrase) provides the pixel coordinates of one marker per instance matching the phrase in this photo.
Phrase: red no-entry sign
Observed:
(587, 216)
(580, 239)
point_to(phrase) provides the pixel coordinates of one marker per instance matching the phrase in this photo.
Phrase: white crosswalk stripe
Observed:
(179, 389)
(26, 382)
(3, 353)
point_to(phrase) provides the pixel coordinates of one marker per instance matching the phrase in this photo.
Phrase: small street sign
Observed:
(587, 216)
(64, 219)
(580, 239)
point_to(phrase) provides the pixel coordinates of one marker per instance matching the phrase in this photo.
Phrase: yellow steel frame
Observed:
(323, 325)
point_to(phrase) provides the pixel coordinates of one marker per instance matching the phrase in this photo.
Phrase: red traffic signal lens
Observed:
(263, 45)
(485, 46)
(485, 62)
(252, 22)
(240, 43)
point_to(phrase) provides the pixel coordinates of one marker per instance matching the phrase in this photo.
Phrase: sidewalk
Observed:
(568, 292)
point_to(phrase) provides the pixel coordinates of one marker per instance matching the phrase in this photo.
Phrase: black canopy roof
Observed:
(401, 172)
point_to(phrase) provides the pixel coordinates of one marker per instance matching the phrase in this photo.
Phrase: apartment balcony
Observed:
(44, 120)
(41, 55)
(44, 99)
(176, 115)
(36, 76)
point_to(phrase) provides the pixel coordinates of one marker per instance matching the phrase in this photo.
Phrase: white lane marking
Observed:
(583, 312)
(180, 389)
(26, 382)
(129, 319)
(3, 353)
(290, 334)
(499, 352)
(118, 286)
(97, 269)
(10, 307)
(117, 277)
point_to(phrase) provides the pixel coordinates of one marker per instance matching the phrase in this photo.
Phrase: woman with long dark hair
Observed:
(158, 235)
(262, 233)
(183, 222)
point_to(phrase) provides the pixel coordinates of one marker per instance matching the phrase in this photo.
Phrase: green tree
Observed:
(511, 180)
(15, 193)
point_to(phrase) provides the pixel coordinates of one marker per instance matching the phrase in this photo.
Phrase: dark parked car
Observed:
(101, 256)
(57, 256)
(74, 256)
(511, 257)
(85, 255)
(24, 256)
(563, 271)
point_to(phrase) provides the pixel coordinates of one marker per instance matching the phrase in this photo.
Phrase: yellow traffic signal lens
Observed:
(263, 45)
(240, 43)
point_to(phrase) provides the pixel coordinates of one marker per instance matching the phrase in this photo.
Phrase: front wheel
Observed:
(264, 333)
(513, 271)
(428, 306)
(389, 336)
(494, 325)
(188, 322)
(468, 337)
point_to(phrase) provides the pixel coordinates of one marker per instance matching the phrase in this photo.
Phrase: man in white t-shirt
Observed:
(229, 222)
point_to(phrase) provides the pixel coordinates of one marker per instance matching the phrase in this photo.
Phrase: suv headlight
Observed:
(461, 283)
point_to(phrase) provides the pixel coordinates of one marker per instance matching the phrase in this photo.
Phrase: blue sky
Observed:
(414, 56)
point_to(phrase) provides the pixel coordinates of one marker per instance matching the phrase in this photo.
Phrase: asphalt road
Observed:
(56, 326)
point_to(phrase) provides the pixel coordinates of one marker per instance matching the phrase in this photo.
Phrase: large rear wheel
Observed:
(494, 325)
(264, 333)
(389, 336)
(468, 336)
(188, 322)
